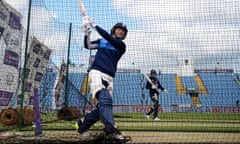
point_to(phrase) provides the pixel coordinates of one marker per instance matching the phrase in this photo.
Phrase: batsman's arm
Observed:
(148, 85)
(90, 44)
(117, 43)
(160, 86)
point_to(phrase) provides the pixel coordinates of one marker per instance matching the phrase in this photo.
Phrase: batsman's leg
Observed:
(91, 118)
(105, 110)
(95, 84)
(106, 114)
(156, 106)
(150, 111)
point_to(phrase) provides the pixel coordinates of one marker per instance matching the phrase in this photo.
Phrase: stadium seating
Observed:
(46, 89)
(189, 82)
(168, 82)
(223, 89)
(74, 85)
(129, 89)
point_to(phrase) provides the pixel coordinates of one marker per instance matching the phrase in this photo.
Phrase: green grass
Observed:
(185, 116)
(204, 122)
(193, 122)
(182, 129)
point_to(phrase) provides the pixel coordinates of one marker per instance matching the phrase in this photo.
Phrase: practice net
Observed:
(192, 45)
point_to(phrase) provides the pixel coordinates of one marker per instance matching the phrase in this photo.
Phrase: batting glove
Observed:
(91, 21)
(86, 28)
(85, 20)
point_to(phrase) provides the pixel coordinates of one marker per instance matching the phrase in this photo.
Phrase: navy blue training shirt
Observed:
(157, 83)
(109, 52)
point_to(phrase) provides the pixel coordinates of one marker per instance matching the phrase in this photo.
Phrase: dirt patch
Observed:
(184, 137)
(59, 137)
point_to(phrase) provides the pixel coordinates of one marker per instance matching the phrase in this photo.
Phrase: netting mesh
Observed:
(193, 46)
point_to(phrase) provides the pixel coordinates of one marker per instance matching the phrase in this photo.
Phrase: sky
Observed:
(162, 33)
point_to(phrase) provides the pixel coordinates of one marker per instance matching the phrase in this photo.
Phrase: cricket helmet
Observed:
(153, 72)
(119, 25)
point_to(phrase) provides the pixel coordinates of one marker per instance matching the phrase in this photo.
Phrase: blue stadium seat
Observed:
(223, 89)
(129, 88)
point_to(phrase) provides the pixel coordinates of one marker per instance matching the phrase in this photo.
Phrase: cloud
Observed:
(41, 24)
(57, 42)
(160, 31)
(176, 29)
(177, 9)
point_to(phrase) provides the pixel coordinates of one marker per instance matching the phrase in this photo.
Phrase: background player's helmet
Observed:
(153, 72)
(120, 25)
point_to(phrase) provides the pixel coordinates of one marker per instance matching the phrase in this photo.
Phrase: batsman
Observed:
(110, 49)
(153, 85)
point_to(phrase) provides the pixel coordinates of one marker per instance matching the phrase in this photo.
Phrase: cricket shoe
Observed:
(84, 134)
(146, 115)
(77, 126)
(156, 119)
(117, 135)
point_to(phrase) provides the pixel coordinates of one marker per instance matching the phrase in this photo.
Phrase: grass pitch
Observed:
(172, 128)
(188, 122)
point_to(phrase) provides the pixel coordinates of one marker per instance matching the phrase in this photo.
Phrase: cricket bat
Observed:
(82, 8)
(149, 80)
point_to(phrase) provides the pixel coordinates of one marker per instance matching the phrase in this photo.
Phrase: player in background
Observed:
(110, 49)
(154, 94)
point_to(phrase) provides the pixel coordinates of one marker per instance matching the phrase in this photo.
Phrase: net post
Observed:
(38, 127)
(25, 64)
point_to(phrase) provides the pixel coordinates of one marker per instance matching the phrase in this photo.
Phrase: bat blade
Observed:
(148, 79)
(82, 8)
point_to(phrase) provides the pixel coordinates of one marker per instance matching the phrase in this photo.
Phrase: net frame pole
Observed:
(25, 64)
(67, 70)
